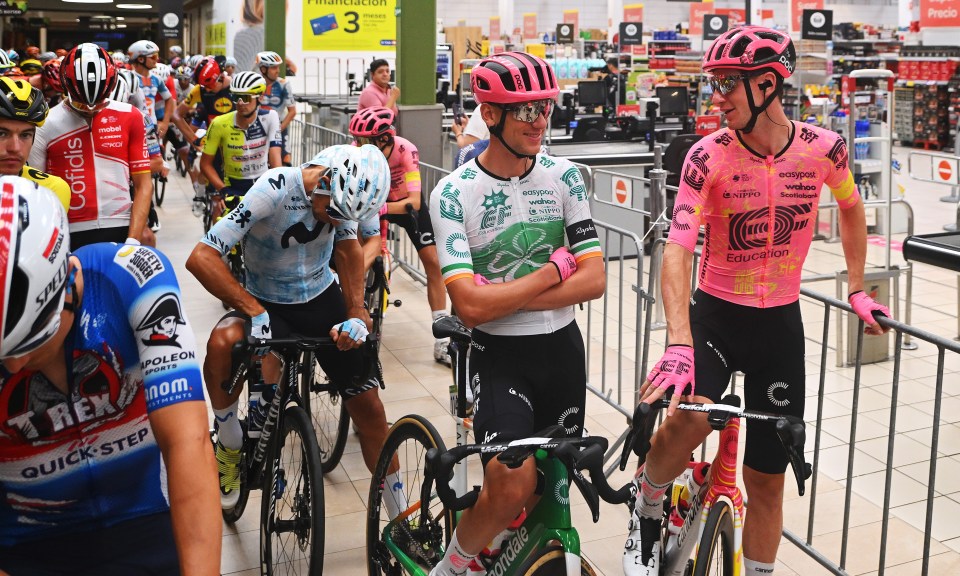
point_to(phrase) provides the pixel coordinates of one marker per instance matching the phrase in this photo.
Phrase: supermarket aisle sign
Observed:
(329, 25)
(796, 12)
(939, 13)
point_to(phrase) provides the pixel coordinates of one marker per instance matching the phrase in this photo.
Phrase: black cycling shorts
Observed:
(420, 230)
(527, 383)
(174, 137)
(79, 239)
(139, 547)
(349, 369)
(767, 345)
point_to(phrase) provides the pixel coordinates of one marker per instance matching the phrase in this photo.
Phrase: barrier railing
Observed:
(306, 140)
(938, 168)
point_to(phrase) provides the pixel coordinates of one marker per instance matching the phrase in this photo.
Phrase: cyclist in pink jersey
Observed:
(755, 187)
(374, 125)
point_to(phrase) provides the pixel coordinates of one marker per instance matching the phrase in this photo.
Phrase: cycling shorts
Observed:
(139, 547)
(419, 230)
(524, 384)
(117, 234)
(174, 137)
(767, 345)
(348, 370)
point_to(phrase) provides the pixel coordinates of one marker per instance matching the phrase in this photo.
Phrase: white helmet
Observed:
(247, 82)
(359, 180)
(229, 61)
(121, 92)
(34, 246)
(268, 59)
(194, 60)
(177, 50)
(142, 48)
(133, 82)
(118, 57)
(161, 71)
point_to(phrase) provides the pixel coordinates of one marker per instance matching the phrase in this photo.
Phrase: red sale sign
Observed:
(697, 11)
(939, 13)
(572, 17)
(707, 124)
(494, 28)
(796, 11)
(530, 25)
(633, 13)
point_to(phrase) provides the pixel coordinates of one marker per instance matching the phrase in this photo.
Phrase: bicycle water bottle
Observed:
(685, 491)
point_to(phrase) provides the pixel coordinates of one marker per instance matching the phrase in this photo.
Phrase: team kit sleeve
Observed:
(137, 143)
(691, 197)
(411, 170)
(260, 202)
(274, 134)
(193, 97)
(213, 137)
(164, 338)
(581, 232)
(38, 154)
(453, 248)
(839, 178)
(288, 100)
(369, 227)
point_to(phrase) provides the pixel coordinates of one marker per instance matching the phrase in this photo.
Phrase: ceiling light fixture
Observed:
(89, 1)
(134, 6)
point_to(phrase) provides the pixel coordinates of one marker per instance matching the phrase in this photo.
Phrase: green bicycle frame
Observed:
(549, 521)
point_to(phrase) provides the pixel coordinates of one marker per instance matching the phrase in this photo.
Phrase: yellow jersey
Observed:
(55, 184)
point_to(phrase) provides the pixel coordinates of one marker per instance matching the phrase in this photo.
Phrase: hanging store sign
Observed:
(494, 28)
(631, 33)
(939, 13)
(714, 25)
(530, 25)
(12, 8)
(796, 11)
(565, 33)
(697, 11)
(335, 25)
(817, 25)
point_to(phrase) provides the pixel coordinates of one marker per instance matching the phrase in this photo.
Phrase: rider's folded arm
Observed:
(477, 305)
(587, 283)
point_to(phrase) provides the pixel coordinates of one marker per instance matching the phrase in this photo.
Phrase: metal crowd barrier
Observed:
(306, 140)
(938, 168)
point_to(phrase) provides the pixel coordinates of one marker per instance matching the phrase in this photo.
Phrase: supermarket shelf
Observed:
(871, 41)
(668, 41)
(922, 82)
(867, 166)
(844, 57)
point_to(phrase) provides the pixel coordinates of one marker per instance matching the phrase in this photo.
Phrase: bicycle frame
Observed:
(722, 483)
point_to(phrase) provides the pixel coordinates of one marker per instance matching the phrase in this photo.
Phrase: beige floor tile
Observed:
(945, 514)
(946, 563)
(948, 473)
(905, 450)
(866, 428)
(904, 489)
(828, 516)
(345, 532)
(908, 418)
(240, 552)
(948, 442)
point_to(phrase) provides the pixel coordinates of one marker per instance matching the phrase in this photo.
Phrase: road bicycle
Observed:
(702, 531)
(159, 189)
(284, 461)
(414, 541)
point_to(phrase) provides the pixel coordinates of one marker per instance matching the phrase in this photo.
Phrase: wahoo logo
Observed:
(799, 187)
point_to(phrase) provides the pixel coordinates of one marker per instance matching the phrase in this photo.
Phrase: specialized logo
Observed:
(450, 207)
(496, 210)
(774, 397)
(54, 245)
(808, 135)
(750, 230)
(140, 262)
(454, 250)
(683, 216)
(838, 154)
(162, 321)
(574, 180)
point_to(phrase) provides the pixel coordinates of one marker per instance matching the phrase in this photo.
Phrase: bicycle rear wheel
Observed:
(408, 442)
(291, 509)
(715, 554)
(328, 413)
(551, 561)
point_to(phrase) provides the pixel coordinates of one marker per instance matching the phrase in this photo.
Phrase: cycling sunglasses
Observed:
(725, 84)
(530, 111)
(84, 107)
(244, 98)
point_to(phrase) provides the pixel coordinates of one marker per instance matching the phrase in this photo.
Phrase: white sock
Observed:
(754, 568)
(228, 427)
(455, 561)
(394, 496)
(439, 314)
(650, 497)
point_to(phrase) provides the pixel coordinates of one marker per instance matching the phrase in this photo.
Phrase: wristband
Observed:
(557, 266)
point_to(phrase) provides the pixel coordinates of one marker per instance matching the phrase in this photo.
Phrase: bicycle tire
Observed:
(551, 561)
(180, 164)
(409, 439)
(159, 191)
(297, 548)
(717, 538)
(328, 413)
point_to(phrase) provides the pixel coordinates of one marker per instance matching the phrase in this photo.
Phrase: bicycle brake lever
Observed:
(792, 434)
(570, 456)
(638, 438)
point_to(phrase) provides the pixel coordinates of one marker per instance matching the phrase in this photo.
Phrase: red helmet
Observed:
(51, 73)
(208, 74)
(372, 122)
(752, 48)
(513, 77)
(87, 74)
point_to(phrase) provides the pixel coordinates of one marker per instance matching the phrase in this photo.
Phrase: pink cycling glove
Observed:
(675, 369)
(383, 209)
(865, 306)
(564, 261)
(480, 280)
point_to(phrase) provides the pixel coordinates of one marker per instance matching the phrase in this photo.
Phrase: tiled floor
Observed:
(415, 384)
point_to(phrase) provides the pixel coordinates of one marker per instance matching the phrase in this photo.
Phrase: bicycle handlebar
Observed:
(575, 453)
(790, 429)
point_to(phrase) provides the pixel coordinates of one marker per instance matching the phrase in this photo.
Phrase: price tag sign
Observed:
(336, 27)
(817, 25)
(564, 33)
(631, 33)
(714, 25)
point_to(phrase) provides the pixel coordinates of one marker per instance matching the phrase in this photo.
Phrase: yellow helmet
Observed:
(31, 66)
(21, 101)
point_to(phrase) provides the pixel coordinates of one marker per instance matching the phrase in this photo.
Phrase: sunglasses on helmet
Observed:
(530, 111)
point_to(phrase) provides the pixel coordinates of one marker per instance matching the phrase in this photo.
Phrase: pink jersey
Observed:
(96, 157)
(404, 169)
(758, 212)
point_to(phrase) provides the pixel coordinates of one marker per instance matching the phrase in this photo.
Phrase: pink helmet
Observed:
(752, 48)
(512, 78)
(371, 122)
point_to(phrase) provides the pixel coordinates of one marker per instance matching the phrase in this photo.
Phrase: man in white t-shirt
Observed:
(470, 131)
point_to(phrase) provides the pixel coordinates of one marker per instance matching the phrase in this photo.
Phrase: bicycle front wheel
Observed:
(291, 509)
(421, 537)
(328, 413)
(551, 561)
(715, 554)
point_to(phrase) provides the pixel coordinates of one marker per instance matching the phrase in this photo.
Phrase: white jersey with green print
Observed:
(504, 229)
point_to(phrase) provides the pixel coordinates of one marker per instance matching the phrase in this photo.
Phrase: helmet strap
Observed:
(755, 110)
(498, 132)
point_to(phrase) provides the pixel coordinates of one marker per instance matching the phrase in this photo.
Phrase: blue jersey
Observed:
(155, 93)
(286, 250)
(279, 97)
(88, 459)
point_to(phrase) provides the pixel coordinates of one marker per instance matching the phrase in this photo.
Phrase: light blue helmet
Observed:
(359, 181)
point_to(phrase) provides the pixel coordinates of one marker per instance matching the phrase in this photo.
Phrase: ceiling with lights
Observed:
(130, 11)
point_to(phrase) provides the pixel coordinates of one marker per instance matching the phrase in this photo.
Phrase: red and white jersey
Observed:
(96, 157)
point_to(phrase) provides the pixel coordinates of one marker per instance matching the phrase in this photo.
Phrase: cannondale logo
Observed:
(563, 417)
(749, 230)
(683, 216)
(772, 394)
(562, 492)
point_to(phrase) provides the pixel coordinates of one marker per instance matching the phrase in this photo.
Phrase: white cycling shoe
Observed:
(641, 552)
